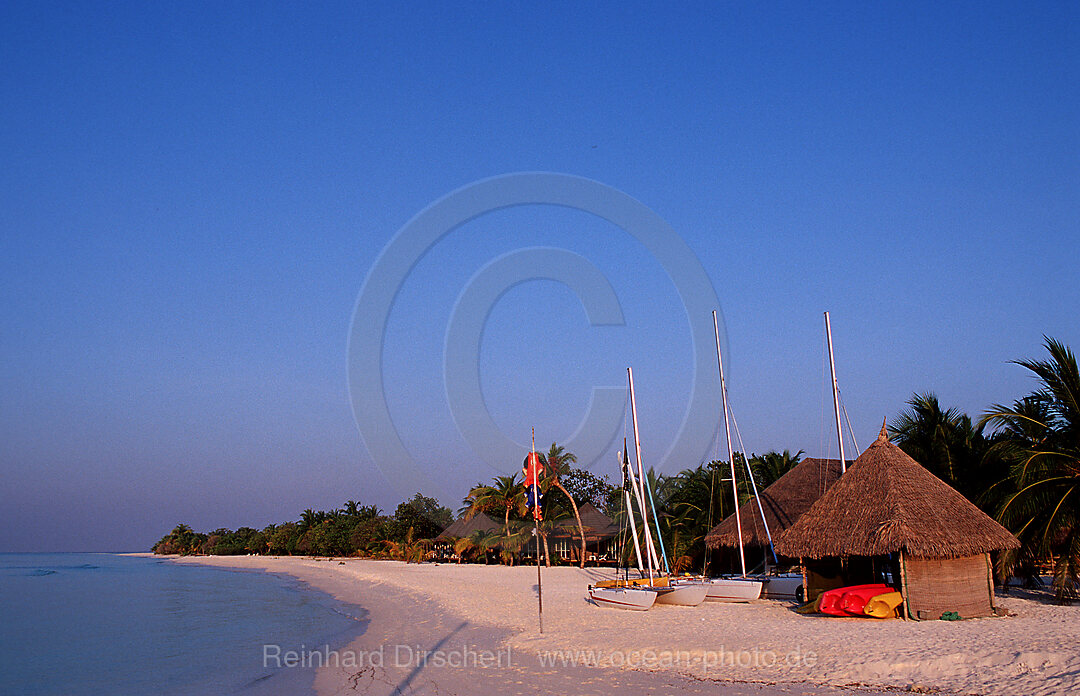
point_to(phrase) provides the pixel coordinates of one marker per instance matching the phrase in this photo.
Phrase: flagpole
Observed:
(536, 532)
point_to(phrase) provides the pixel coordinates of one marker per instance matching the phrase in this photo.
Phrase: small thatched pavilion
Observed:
(887, 505)
(783, 502)
(463, 527)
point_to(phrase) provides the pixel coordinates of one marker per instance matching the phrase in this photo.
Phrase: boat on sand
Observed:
(632, 598)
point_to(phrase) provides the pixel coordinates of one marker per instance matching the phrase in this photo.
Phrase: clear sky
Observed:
(193, 195)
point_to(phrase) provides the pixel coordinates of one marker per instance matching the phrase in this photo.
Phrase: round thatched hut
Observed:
(783, 502)
(890, 510)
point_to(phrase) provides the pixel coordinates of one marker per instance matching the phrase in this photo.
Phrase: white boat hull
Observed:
(684, 595)
(732, 589)
(630, 598)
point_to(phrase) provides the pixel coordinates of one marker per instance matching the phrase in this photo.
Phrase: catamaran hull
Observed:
(732, 590)
(684, 595)
(629, 598)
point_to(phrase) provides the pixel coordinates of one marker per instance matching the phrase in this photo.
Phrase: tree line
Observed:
(353, 530)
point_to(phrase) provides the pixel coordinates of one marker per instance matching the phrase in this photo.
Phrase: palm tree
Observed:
(461, 546)
(554, 517)
(769, 467)
(310, 518)
(944, 441)
(557, 463)
(510, 546)
(506, 495)
(1040, 439)
(409, 550)
(689, 504)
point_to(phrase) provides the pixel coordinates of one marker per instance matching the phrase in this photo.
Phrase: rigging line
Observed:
(633, 521)
(851, 431)
(712, 486)
(753, 484)
(824, 348)
(712, 497)
(624, 459)
(656, 523)
(628, 475)
(624, 553)
(823, 472)
(647, 485)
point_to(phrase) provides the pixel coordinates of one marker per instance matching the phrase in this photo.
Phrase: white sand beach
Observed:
(712, 648)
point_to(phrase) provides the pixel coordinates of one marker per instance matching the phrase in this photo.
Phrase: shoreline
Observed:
(762, 647)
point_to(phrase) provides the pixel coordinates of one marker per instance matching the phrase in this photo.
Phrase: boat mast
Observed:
(628, 480)
(650, 553)
(835, 396)
(727, 434)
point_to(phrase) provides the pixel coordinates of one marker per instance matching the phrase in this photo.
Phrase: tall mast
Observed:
(727, 435)
(835, 396)
(628, 480)
(641, 473)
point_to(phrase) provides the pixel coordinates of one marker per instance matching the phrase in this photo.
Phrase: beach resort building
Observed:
(600, 537)
(890, 518)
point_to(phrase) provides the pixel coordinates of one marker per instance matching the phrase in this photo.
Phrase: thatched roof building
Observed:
(887, 502)
(783, 502)
(597, 525)
(600, 532)
(887, 505)
(463, 527)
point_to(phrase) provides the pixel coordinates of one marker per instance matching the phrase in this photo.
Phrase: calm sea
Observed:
(81, 623)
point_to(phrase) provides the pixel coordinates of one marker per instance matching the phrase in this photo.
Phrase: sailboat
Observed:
(625, 594)
(729, 589)
(633, 594)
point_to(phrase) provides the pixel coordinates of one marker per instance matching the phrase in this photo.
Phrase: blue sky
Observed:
(194, 195)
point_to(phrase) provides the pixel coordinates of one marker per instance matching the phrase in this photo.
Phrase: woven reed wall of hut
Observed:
(937, 585)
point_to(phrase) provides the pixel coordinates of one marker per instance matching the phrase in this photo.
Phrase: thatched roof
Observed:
(597, 525)
(887, 502)
(462, 527)
(783, 502)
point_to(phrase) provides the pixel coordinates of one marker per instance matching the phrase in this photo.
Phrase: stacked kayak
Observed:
(877, 600)
(883, 606)
(855, 599)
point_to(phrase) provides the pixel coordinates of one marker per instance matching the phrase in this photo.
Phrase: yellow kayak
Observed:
(883, 606)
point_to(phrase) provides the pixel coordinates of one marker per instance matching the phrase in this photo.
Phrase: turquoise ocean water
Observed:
(81, 623)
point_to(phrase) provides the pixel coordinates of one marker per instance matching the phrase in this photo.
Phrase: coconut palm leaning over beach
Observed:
(1040, 440)
(557, 463)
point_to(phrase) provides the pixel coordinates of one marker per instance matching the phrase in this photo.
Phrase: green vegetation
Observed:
(354, 530)
(1037, 447)
(1024, 472)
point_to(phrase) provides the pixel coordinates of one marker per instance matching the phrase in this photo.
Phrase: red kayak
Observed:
(855, 599)
(832, 601)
